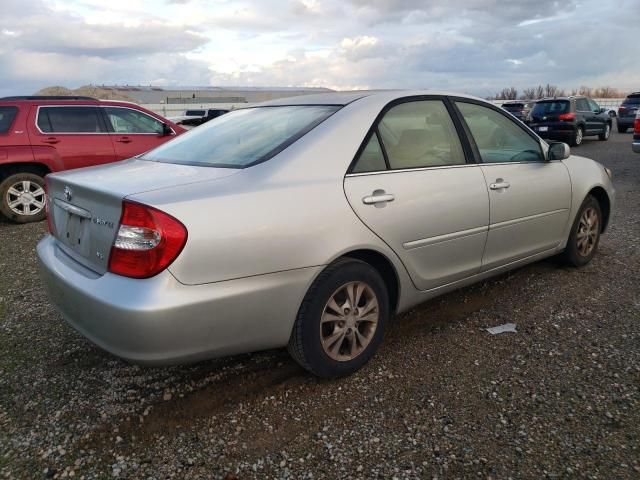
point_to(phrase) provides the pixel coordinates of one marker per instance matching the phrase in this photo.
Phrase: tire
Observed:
(622, 129)
(604, 136)
(578, 136)
(573, 254)
(12, 189)
(340, 357)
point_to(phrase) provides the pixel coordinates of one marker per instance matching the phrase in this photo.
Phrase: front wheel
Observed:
(341, 321)
(585, 234)
(22, 197)
(605, 135)
(577, 137)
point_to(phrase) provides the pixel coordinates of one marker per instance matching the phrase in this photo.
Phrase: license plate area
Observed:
(543, 129)
(73, 227)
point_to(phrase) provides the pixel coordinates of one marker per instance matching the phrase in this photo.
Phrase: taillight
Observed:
(636, 126)
(567, 117)
(148, 241)
(47, 207)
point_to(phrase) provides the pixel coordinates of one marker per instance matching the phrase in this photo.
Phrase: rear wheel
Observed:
(22, 197)
(578, 136)
(622, 129)
(607, 131)
(585, 234)
(341, 321)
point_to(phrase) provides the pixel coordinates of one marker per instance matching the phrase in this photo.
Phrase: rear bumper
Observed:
(625, 121)
(563, 132)
(161, 321)
(635, 146)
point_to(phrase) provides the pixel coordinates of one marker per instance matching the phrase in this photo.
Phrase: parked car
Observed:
(245, 234)
(569, 119)
(189, 115)
(627, 111)
(40, 135)
(636, 134)
(520, 110)
(208, 114)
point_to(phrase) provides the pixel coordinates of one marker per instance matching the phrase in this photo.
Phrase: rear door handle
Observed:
(378, 196)
(124, 140)
(51, 140)
(499, 185)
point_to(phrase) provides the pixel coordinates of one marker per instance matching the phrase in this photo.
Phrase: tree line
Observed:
(548, 90)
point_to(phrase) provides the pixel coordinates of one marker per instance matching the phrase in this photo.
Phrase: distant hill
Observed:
(87, 91)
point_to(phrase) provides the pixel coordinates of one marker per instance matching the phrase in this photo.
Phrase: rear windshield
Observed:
(242, 138)
(194, 113)
(632, 100)
(513, 106)
(555, 106)
(7, 114)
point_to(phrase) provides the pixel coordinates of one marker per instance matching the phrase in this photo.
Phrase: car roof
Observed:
(347, 97)
(63, 100)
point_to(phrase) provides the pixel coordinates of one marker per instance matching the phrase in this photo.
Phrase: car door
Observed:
(76, 132)
(412, 186)
(598, 119)
(133, 132)
(529, 197)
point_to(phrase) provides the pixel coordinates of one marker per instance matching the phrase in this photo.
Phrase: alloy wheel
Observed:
(588, 231)
(26, 198)
(349, 321)
(579, 136)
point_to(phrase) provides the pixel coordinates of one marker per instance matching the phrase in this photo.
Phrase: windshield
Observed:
(242, 138)
(542, 108)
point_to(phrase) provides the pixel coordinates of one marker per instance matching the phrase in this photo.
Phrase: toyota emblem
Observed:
(68, 194)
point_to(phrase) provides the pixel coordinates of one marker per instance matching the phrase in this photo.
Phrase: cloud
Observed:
(477, 46)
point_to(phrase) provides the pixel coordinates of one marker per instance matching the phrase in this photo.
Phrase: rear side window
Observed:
(498, 138)
(371, 159)
(194, 113)
(582, 105)
(127, 120)
(7, 114)
(69, 120)
(545, 108)
(420, 134)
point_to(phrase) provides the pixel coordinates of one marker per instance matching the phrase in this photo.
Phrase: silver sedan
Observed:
(308, 222)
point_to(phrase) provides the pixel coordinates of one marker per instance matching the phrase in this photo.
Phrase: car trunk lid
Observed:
(85, 205)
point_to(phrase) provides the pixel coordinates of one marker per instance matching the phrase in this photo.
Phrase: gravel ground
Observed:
(442, 398)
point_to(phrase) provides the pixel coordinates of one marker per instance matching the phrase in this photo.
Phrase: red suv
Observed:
(39, 135)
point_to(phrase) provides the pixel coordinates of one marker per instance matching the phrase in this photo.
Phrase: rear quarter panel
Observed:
(586, 174)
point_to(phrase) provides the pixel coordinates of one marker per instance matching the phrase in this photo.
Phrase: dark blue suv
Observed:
(627, 111)
(569, 119)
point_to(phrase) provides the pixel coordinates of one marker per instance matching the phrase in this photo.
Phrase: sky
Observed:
(472, 46)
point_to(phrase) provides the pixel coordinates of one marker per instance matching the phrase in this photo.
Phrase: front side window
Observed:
(498, 138)
(69, 120)
(243, 137)
(593, 106)
(420, 134)
(127, 120)
(7, 114)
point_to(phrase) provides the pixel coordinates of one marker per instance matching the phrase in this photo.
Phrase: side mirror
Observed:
(558, 151)
(166, 130)
(602, 110)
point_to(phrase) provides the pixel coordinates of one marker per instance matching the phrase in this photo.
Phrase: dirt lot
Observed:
(442, 399)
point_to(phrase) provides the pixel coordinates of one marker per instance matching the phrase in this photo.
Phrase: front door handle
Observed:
(499, 184)
(51, 140)
(124, 140)
(378, 196)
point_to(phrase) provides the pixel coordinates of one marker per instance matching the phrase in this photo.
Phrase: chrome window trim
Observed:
(173, 132)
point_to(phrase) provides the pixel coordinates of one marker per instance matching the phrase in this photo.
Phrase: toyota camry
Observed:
(308, 222)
